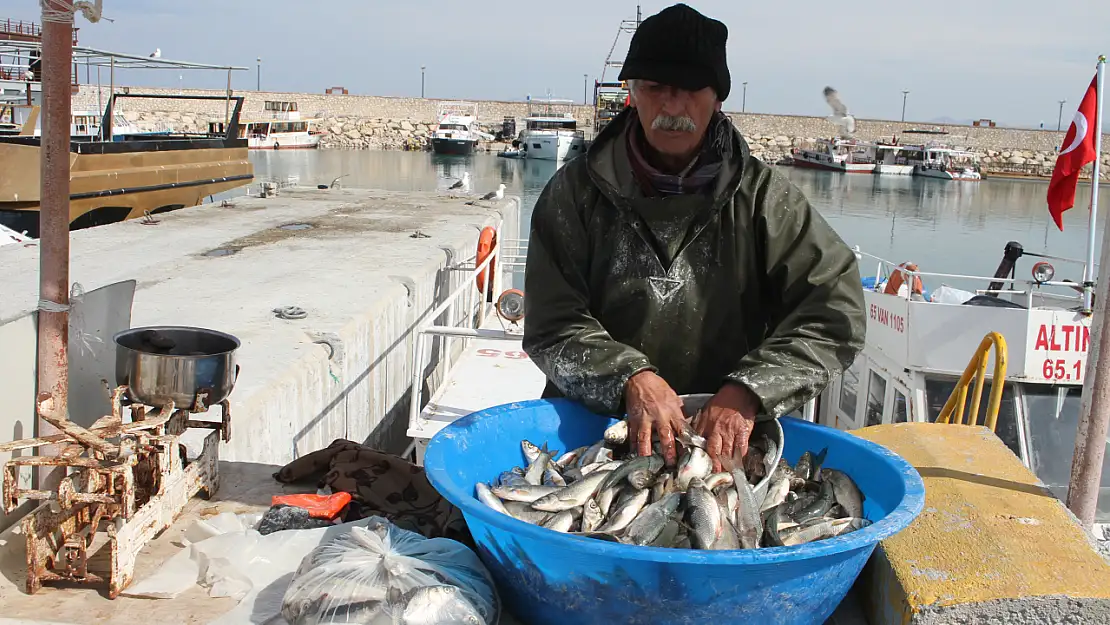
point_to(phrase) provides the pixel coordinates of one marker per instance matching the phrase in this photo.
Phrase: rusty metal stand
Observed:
(123, 484)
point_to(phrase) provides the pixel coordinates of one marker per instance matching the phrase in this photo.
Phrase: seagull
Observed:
(492, 195)
(840, 115)
(157, 54)
(28, 75)
(463, 183)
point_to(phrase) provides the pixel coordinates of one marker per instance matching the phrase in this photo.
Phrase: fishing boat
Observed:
(551, 131)
(285, 129)
(893, 159)
(849, 156)
(946, 163)
(120, 175)
(456, 130)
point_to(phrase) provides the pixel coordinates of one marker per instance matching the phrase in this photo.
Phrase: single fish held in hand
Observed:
(695, 463)
(527, 493)
(845, 491)
(486, 496)
(651, 521)
(616, 434)
(572, 496)
(626, 513)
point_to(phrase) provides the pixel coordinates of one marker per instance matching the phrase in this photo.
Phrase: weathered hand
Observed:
(653, 407)
(726, 421)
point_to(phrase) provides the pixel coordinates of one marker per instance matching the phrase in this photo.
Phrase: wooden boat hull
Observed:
(116, 181)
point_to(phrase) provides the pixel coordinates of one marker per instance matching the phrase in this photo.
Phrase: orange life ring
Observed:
(898, 278)
(486, 242)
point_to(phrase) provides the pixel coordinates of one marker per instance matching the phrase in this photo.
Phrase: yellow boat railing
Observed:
(978, 367)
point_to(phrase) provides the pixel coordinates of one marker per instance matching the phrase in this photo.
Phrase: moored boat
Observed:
(456, 130)
(551, 131)
(948, 164)
(284, 130)
(847, 156)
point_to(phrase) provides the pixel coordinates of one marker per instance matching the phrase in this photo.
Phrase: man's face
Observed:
(674, 120)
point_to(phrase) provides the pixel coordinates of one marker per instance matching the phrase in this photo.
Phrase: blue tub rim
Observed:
(913, 502)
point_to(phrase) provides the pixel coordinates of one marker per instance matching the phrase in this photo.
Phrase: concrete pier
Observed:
(364, 265)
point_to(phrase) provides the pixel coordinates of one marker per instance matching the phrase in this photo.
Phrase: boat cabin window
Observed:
(281, 107)
(876, 393)
(549, 124)
(849, 391)
(901, 408)
(1052, 419)
(938, 390)
(452, 127)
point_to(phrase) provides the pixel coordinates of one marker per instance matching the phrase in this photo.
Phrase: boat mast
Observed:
(627, 26)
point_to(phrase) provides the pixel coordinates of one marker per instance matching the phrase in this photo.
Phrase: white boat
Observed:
(843, 155)
(918, 345)
(894, 160)
(284, 130)
(948, 164)
(551, 131)
(84, 125)
(11, 237)
(456, 130)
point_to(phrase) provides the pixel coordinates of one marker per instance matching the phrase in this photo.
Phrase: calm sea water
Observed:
(943, 226)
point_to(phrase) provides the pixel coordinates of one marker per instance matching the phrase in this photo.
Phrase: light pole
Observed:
(1060, 115)
(584, 85)
(258, 78)
(905, 92)
(421, 81)
(744, 101)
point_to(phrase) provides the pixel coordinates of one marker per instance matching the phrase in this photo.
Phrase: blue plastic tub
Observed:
(548, 577)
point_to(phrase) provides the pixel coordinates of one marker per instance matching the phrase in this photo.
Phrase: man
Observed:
(670, 261)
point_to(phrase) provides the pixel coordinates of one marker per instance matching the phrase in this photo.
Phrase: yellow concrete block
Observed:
(991, 546)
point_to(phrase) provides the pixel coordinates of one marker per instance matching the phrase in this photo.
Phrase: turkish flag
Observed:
(1077, 150)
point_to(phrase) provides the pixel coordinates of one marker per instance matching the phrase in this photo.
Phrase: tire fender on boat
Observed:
(487, 240)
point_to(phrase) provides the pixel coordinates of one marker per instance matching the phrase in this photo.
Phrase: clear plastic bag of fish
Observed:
(379, 574)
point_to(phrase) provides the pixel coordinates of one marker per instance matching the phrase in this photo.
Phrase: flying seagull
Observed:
(493, 195)
(840, 116)
(157, 54)
(463, 183)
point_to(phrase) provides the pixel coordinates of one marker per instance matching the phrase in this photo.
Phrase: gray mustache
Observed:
(680, 123)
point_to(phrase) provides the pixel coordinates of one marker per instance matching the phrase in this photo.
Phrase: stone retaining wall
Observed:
(376, 122)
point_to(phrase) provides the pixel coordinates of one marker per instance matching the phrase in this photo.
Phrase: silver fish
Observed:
(845, 492)
(568, 459)
(729, 538)
(511, 478)
(689, 437)
(605, 499)
(643, 477)
(591, 516)
(617, 434)
(777, 489)
(434, 605)
(650, 522)
(611, 465)
(703, 515)
(730, 502)
(653, 464)
(524, 512)
(534, 474)
(623, 515)
(804, 467)
(597, 452)
(572, 474)
(769, 458)
(531, 451)
(528, 493)
(748, 524)
(825, 528)
(486, 496)
(561, 522)
(695, 463)
(669, 534)
(627, 493)
(718, 479)
(572, 496)
(818, 507)
(551, 476)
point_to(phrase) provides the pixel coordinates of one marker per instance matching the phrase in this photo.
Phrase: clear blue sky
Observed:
(1009, 60)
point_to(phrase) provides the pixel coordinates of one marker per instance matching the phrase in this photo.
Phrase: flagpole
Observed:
(1094, 410)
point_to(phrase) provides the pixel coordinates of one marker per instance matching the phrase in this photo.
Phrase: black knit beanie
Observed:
(682, 48)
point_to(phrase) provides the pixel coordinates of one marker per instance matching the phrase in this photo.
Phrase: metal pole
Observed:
(585, 83)
(904, 94)
(53, 314)
(744, 102)
(1094, 416)
(421, 81)
(258, 80)
(1060, 116)
(227, 103)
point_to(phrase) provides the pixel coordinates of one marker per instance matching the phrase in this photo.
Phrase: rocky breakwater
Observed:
(377, 133)
(1031, 163)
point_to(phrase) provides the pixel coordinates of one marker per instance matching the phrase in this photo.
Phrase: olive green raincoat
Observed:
(743, 282)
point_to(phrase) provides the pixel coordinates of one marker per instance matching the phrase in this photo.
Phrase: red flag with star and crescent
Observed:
(1077, 150)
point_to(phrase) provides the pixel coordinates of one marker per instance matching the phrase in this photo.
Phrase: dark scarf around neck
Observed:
(716, 148)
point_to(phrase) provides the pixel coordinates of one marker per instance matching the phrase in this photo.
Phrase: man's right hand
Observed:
(653, 407)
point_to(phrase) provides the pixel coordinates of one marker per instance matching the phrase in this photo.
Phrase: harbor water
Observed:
(943, 226)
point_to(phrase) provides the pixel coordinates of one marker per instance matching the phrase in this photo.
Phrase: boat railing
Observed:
(885, 268)
(463, 311)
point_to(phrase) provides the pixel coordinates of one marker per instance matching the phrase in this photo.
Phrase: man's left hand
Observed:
(726, 421)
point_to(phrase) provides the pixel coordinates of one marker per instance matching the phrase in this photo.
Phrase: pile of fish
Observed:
(606, 491)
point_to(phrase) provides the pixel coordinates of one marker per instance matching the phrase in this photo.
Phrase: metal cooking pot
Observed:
(194, 367)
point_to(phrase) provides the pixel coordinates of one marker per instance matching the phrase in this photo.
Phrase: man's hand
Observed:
(652, 406)
(726, 421)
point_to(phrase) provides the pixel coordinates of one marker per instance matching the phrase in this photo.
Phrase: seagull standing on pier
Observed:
(840, 116)
(463, 183)
(492, 195)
